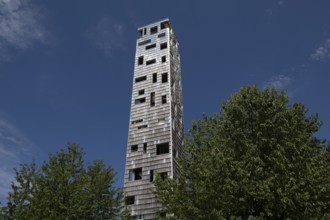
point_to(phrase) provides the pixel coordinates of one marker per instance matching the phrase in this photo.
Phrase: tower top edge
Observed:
(156, 23)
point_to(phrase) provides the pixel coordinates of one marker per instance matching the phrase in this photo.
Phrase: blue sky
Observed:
(66, 67)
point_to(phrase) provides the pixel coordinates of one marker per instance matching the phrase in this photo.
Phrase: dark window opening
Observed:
(162, 148)
(163, 59)
(140, 79)
(142, 126)
(161, 35)
(163, 99)
(145, 148)
(164, 25)
(150, 46)
(163, 175)
(135, 174)
(144, 42)
(141, 32)
(153, 30)
(152, 99)
(174, 153)
(164, 77)
(130, 200)
(139, 101)
(151, 175)
(145, 31)
(140, 60)
(150, 62)
(134, 148)
(141, 92)
(154, 77)
(163, 46)
(137, 121)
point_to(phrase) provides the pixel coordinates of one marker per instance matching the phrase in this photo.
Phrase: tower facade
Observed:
(155, 136)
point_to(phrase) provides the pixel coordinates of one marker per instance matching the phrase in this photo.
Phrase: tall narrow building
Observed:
(155, 136)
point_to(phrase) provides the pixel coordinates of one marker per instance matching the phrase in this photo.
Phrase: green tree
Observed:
(64, 188)
(2, 209)
(257, 158)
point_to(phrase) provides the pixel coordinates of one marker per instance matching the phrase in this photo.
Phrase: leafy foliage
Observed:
(256, 159)
(64, 188)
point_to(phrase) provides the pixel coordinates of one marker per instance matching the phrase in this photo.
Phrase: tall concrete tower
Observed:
(155, 136)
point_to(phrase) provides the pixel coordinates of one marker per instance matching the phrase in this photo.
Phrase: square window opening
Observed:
(153, 30)
(164, 25)
(135, 174)
(163, 46)
(134, 148)
(130, 200)
(162, 148)
(164, 77)
(141, 92)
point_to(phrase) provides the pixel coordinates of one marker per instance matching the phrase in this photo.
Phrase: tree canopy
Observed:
(258, 158)
(65, 187)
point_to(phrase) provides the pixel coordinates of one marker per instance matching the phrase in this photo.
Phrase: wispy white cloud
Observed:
(323, 52)
(15, 148)
(20, 26)
(279, 82)
(106, 35)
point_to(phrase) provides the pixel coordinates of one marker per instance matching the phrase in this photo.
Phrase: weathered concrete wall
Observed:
(153, 122)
